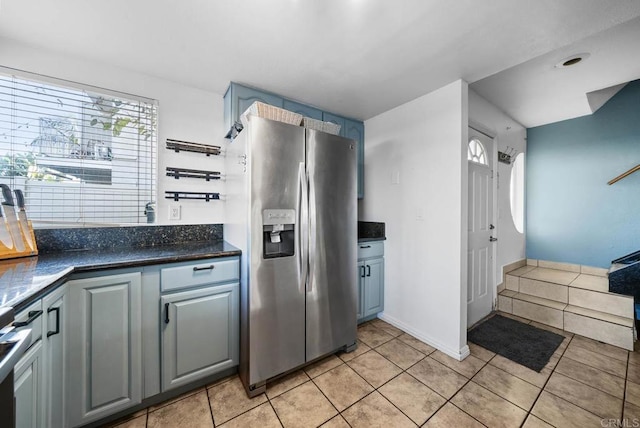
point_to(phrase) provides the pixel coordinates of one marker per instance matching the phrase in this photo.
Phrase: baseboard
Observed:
(459, 355)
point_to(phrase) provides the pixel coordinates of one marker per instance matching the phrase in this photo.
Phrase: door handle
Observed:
(368, 270)
(492, 239)
(32, 316)
(362, 271)
(365, 246)
(57, 330)
(197, 268)
(303, 226)
(166, 313)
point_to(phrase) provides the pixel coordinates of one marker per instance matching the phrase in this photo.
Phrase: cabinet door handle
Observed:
(166, 313)
(32, 317)
(362, 273)
(196, 268)
(365, 246)
(368, 270)
(57, 330)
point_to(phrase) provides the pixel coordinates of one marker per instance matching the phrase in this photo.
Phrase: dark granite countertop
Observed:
(24, 280)
(371, 231)
(371, 239)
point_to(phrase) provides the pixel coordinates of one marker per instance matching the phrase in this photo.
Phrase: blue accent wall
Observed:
(573, 216)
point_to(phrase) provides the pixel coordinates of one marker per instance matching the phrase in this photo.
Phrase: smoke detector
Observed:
(572, 60)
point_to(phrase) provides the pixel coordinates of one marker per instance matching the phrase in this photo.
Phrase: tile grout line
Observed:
(403, 371)
(213, 421)
(274, 409)
(579, 406)
(580, 381)
(624, 392)
(597, 368)
(505, 398)
(460, 389)
(374, 388)
(545, 385)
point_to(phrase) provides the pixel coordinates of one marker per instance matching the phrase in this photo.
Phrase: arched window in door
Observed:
(477, 152)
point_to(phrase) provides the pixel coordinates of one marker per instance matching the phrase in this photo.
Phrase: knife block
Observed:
(12, 252)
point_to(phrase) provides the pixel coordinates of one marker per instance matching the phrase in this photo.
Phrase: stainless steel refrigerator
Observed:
(291, 208)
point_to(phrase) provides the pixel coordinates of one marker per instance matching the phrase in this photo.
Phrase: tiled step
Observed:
(591, 282)
(569, 267)
(570, 297)
(552, 275)
(571, 287)
(600, 326)
(545, 290)
(610, 303)
(601, 316)
(535, 308)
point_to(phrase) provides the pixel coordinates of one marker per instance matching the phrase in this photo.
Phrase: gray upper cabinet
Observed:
(338, 120)
(199, 334)
(105, 367)
(303, 109)
(355, 131)
(238, 98)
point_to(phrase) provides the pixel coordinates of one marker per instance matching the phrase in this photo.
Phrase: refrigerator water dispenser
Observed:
(278, 232)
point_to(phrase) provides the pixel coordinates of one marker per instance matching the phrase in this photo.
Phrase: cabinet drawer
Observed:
(33, 317)
(200, 273)
(367, 250)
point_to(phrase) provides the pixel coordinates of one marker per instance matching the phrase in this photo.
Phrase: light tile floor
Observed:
(395, 380)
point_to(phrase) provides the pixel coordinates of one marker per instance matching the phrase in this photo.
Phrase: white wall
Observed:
(507, 132)
(185, 113)
(425, 214)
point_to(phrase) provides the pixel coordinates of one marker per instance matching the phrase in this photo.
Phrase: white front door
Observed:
(481, 230)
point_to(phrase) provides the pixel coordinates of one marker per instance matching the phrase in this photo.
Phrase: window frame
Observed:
(151, 147)
(474, 156)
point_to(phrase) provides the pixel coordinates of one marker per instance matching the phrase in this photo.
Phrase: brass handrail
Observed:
(624, 174)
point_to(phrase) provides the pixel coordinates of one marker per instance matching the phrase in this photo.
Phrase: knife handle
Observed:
(19, 198)
(7, 195)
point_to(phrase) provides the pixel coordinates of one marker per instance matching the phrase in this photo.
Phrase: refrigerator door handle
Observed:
(303, 226)
(312, 233)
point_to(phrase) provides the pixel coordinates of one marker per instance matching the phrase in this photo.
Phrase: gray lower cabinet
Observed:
(54, 333)
(373, 288)
(86, 363)
(28, 389)
(105, 367)
(199, 333)
(370, 279)
(28, 372)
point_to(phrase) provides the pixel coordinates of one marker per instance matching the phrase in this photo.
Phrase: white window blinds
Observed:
(79, 156)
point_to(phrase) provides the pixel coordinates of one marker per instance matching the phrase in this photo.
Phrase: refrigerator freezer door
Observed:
(276, 296)
(332, 285)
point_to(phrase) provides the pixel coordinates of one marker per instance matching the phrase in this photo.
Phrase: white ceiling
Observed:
(358, 58)
(536, 92)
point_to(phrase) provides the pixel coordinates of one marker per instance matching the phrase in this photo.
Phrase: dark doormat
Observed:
(527, 345)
